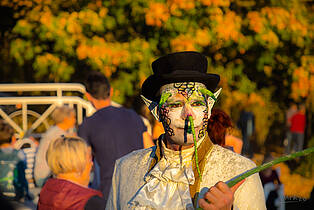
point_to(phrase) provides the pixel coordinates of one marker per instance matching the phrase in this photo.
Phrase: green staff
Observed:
(257, 169)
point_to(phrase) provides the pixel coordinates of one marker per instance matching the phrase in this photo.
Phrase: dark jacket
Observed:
(60, 194)
(112, 133)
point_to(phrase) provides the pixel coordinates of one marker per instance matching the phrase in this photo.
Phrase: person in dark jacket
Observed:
(111, 131)
(70, 160)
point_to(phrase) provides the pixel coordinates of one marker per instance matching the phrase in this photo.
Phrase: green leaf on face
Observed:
(208, 93)
(164, 97)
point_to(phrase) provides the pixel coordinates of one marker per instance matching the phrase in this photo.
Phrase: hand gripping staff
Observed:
(257, 169)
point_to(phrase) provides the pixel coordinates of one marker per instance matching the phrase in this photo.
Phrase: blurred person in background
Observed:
(246, 123)
(297, 128)
(289, 114)
(273, 188)
(70, 161)
(219, 131)
(65, 119)
(13, 184)
(111, 131)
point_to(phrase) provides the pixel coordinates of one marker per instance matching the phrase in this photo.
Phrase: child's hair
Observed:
(217, 127)
(67, 154)
(6, 132)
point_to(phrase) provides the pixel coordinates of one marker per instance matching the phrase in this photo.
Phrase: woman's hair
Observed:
(61, 112)
(218, 124)
(67, 154)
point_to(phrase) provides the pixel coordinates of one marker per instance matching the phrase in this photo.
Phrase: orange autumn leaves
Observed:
(303, 79)
(128, 35)
(156, 14)
(300, 187)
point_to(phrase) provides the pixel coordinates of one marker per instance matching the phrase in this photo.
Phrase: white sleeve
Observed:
(250, 195)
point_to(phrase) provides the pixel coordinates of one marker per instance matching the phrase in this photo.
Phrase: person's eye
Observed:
(174, 105)
(198, 103)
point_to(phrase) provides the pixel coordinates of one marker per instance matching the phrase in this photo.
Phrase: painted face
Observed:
(185, 99)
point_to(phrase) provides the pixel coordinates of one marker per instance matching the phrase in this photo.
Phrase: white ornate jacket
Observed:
(159, 178)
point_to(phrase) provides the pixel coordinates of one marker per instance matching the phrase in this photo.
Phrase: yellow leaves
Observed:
(156, 14)
(301, 84)
(294, 184)
(103, 12)
(44, 60)
(303, 76)
(46, 18)
(228, 26)
(256, 21)
(283, 20)
(277, 16)
(104, 55)
(52, 66)
(202, 37)
(182, 43)
(255, 99)
(218, 3)
(24, 28)
(296, 25)
(91, 18)
(181, 4)
(268, 70)
(270, 39)
(73, 26)
(218, 56)
(81, 51)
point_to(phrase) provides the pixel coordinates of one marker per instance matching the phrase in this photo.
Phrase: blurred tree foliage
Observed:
(263, 49)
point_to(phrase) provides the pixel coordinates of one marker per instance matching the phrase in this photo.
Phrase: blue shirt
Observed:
(112, 133)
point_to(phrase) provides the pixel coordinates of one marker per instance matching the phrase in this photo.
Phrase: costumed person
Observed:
(219, 131)
(185, 169)
(64, 118)
(70, 160)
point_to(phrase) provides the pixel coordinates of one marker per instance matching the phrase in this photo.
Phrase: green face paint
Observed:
(164, 97)
(190, 118)
(208, 93)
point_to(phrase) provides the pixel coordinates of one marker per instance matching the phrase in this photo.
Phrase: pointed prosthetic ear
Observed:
(152, 106)
(211, 101)
(217, 93)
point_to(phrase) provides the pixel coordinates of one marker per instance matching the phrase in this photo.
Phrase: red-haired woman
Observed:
(219, 126)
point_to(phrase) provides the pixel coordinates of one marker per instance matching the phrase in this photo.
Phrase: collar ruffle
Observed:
(170, 178)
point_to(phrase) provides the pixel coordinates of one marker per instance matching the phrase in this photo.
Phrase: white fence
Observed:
(27, 99)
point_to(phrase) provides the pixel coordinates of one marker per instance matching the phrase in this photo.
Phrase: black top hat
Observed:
(185, 66)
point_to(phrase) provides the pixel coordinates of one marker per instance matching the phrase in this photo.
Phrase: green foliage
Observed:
(262, 49)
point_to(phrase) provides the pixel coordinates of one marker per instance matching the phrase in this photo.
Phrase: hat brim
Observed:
(153, 83)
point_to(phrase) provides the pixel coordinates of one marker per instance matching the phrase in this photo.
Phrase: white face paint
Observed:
(185, 100)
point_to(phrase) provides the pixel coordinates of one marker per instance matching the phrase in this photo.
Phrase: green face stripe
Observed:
(190, 118)
(164, 97)
(208, 93)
